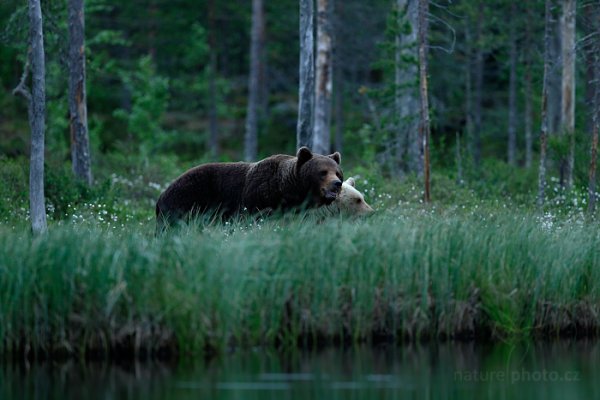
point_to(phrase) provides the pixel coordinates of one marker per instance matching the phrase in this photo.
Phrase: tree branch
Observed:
(22, 88)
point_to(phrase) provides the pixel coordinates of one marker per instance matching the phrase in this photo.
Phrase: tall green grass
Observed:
(86, 290)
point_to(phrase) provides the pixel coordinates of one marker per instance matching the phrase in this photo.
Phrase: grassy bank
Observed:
(400, 275)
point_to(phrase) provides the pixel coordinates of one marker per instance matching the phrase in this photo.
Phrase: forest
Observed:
(470, 126)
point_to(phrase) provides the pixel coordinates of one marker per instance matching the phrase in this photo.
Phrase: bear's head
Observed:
(352, 202)
(322, 175)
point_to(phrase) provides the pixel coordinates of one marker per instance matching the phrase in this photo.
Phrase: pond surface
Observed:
(561, 370)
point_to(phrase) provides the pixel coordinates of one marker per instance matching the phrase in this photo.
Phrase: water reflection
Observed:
(563, 370)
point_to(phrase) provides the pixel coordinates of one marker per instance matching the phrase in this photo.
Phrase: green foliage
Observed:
(198, 50)
(149, 93)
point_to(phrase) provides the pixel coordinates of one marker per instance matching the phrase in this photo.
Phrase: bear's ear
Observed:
(303, 155)
(350, 181)
(337, 157)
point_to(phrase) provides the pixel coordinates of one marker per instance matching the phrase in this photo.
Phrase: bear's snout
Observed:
(335, 187)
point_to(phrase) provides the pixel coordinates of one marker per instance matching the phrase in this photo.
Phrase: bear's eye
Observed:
(323, 173)
(357, 201)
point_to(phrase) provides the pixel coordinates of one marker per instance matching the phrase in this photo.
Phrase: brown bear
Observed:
(277, 182)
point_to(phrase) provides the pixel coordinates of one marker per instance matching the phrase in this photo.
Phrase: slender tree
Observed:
(424, 129)
(338, 80)
(589, 25)
(512, 88)
(323, 79)
(407, 95)
(36, 110)
(567, 23)
(213, 129)
(80, 143)
(544, 114)
(554, 74)
(263, 81)
(593, 160)
(338, 109)
(479, 64)
(399, 77)
(593, 54)
(306, 94)
(528, 92)
(251, 139)
(469, 92)
(459, 173)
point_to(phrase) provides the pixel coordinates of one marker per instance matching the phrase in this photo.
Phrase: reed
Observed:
(85, 290)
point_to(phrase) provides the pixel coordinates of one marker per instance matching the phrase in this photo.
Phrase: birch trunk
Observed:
(36, 111)
(306, 93)
(528, 94)
(338, 106)
(251, 138)
(595, 61)
(213, 122)
(399, 77)
(544, 114)
(593, 160)
(554, 76)
(37, 119)
(512, 91)
(407, 95)
(323, 78)
(468, 94)
(423, 11)
(80, 144)
(478, 86)
(568, 88)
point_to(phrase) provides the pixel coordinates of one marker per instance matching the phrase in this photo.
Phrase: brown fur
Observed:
(277, 182)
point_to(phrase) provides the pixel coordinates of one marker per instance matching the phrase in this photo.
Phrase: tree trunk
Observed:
(36, 111)
(468, 94)
(554, 76)
(213, 127)
(544, 114)
(595, 61)
(338, 78)
(459, 173)
(592, 172)
(263, 81)
(80, 144)
(468, 91)
(306, 99)
(213, 124)
(37, 118)
(338, 105)
(528, 93)
(321, 138)
(478, 86)
(401, 133)
(589, 88)
(423, 11)
(568, 88)
(251, 139)
(512, 90)
(407, 95)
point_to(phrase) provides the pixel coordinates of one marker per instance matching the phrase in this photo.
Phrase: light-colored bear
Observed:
(350, 202)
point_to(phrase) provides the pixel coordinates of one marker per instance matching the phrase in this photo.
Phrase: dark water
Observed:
(449, 371)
